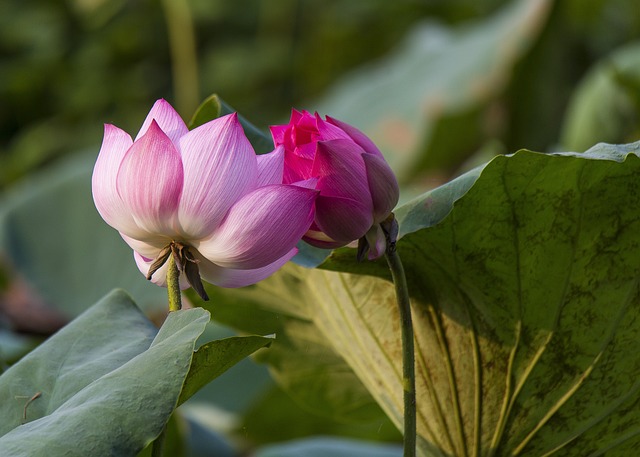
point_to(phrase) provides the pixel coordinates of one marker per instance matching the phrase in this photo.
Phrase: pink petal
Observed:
(115, 145)
(382, 185)
(220, 167)
(321, 240)
(377, 242)
(342, 172)
(297, 168)
(261, 228)
(329, 131)
(271, 167)
(356, 135)
(160, 276)
(229, 277)
(149, 183)
(150, 247)
(278, 133)
(310, 183)
(167, 118)
(343, 219)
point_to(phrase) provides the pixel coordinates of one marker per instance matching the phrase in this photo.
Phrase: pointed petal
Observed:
(310, 183)
(115, 145)
(278, 133)
(261, 228)
(329, 131)
(149, 183)
(271, 167)
(220, 167)
(229, 277)
(160, 276)
(356, 135)
(167, 118)
(382, 185)
(342, 219)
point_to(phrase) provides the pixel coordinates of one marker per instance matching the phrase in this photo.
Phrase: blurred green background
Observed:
(67, 67)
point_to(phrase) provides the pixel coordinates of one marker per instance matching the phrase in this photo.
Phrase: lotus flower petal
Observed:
(271, 167)
(115, 145)
(230, 277)
(342, 219)
(377, 242)
(150, 247)
(261, 228)
(278, 133)
(329, 132)
(219, 168)
(167, 118)
(342, 172)
(149, 183)
(382, 185)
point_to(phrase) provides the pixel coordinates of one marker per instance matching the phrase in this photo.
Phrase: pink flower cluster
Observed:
(238, 216)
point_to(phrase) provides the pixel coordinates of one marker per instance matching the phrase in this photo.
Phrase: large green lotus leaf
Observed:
(606, 105)
(439, 73)
(107, 383)
(53, 236)
(524, 292)
(525, 303)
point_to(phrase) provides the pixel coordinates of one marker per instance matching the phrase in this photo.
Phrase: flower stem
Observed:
(408, 357)
(157, 448)
(173, 285)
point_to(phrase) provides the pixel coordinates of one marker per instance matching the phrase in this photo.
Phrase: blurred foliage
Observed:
(66, 67)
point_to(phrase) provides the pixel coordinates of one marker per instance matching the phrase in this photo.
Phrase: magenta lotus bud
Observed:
(358, 189)
(203, 195)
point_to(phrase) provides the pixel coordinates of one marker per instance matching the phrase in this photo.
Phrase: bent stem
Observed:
(408, 357)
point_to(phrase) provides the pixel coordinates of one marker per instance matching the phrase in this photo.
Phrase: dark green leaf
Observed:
(216, 357)
(107, 383)
(214, 107)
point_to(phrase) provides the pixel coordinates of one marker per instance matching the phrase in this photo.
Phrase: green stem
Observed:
(173, 285)
(157, 448)
(408, 357)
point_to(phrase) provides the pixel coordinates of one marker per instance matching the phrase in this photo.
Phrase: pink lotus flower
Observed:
(203, 195)
(357, 188)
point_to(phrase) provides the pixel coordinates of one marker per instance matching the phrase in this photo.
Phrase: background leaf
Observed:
(112, 387)
(54, 237)
(606, 104)
(439, 75)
